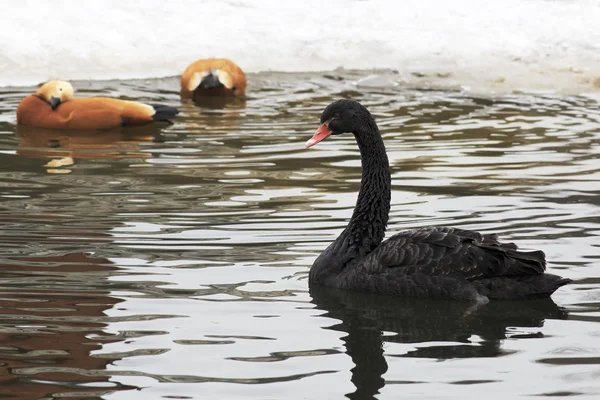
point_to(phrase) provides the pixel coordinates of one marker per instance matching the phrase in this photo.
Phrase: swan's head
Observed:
(55, 92)
(342, 116)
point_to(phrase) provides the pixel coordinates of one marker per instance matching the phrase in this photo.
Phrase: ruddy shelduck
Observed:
(213, 77)
(54, 106)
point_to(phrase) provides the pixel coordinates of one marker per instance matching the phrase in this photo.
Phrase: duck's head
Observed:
(55, 93)
(213, 78)
(343, 116)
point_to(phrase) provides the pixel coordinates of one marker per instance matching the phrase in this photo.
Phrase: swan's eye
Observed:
(60, 90)
(334, 126)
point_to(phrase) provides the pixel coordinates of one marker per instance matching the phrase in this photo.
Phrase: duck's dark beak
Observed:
(210, 81)
(322, 133)
(54, 102)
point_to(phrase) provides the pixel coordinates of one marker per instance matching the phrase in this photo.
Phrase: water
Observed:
(171, 262)
(539, 45)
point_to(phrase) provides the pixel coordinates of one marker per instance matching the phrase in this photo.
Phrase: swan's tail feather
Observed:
(526, 263)
(520, 288)
(505, 260)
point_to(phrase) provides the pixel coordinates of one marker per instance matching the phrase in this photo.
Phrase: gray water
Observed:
(172, 261)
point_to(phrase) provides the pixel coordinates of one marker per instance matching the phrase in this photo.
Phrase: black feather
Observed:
(164, 113)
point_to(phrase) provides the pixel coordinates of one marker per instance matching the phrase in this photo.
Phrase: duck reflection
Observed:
(217, 103)
(63, 148)
(214, 115)
(365, 316)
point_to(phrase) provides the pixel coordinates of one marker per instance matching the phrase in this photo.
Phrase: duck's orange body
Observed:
(54, 107)
(213, 77)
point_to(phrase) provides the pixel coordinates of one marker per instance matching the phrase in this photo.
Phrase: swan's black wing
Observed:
(450, 263)
(451, 252)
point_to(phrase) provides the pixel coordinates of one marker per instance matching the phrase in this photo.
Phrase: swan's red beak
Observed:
(322, 133)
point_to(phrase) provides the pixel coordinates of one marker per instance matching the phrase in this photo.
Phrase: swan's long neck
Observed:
(366, 228)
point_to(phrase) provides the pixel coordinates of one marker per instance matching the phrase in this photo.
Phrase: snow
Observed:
(492, 45)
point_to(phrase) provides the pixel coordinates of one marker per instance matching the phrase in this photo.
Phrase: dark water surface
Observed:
(171, 262)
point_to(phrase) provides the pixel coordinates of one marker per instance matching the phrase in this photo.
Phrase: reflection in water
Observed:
(53, 320)
(371, 320)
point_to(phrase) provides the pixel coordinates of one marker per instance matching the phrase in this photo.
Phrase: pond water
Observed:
(172, 261)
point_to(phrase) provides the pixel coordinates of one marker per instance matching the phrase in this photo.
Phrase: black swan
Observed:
(432, 262)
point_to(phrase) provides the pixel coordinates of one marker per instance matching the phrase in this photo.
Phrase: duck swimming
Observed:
(54, 106)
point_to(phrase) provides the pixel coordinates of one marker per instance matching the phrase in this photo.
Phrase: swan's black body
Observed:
(433, 262)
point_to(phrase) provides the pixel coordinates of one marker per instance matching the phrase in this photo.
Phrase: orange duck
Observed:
(54, 107)
(214, 77)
